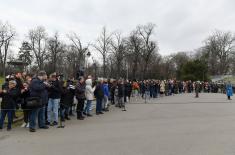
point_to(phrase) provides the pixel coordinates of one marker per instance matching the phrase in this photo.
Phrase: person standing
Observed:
(162, 88)
(38, 89)
(197, 87)
(229, 90)
(25, 94)
(121, 93)
(89, 93)
(112, 91)
(9, 97)
(99, 95)
(106, 96)
(67, 97)
(80, 95)
(55, 90)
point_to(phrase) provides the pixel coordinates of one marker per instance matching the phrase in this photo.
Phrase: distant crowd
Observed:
(49, 101)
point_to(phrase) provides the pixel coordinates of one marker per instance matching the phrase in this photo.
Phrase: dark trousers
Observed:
(32, 118)
(112, 99)
(9, 114)
(98, 105)
(26, 116)
(80, 107)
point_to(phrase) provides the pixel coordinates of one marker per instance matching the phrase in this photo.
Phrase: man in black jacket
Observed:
(54, 100)
(8, 103)
(99, 95)
(80, 95)
(38, 88)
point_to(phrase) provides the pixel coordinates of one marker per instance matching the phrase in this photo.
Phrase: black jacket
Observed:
(25, 95)
(9, 98)
(55, 90)
(80, 90)
(121, 90)
(67, 96)
(38, 89)
(99, 92)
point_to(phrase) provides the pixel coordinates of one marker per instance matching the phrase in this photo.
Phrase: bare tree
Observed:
(103, 47)
(220, 47)
(134, 47)
(78, 51)
(38, 43)
(55, 49)
(149, 46)
(7, 35)
(119, 52)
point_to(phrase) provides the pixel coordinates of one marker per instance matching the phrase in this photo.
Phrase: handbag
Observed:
(33, 102)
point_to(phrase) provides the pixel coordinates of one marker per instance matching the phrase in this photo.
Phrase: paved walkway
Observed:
(177, 125)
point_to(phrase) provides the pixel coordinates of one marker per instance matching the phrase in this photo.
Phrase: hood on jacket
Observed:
(89, 82)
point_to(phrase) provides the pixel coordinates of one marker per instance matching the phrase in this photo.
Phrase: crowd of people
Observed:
(47, 101)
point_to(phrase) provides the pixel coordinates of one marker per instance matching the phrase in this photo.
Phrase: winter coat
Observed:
(38, 89)
(128, 89)
(89, 92)
(67, 96)
(106, 89)
(9, 98)
(80, 90)
(162, 87)
(121, 90)
(99, 92)
(55, 90)
(229, 90)
(24, 96)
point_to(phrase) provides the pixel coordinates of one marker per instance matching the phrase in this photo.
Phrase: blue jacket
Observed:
(38, 89)
(106, 89)
(229, 90)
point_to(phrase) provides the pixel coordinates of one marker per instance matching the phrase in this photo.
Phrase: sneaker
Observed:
(23, 125)
(8, 129)
(27, 126)
(101, 113)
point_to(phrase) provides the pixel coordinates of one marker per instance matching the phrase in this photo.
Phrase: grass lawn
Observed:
(1, 81)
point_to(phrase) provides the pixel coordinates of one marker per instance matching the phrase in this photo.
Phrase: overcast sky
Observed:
(182, 25)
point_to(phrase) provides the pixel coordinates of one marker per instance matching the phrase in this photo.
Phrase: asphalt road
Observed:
(177, 125)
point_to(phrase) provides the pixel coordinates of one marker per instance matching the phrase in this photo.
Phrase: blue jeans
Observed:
(32, 118)
(41, 117)
(9, 114)
(53, 109)
(98, 105)
(87, 109)
(147, 94)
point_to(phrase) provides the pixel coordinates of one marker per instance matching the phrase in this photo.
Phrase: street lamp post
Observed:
(88, 54)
